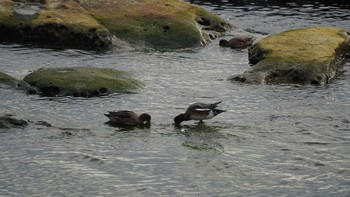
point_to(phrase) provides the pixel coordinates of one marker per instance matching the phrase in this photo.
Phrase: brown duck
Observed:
(128, 118)
(237, 42)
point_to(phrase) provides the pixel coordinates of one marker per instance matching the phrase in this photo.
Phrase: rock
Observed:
(51, 23)
(7, 121)
(9, 82)
(160, 24)
(97, 24)
(301, 56)
(81, 81)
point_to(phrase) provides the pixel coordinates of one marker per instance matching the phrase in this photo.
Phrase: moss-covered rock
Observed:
(303, 56)
(81, 81)
(157, 23)
(7, 81)
(53, 23)
(94, 24)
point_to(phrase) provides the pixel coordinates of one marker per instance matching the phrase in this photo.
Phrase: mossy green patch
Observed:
(162, 33)
(303, 45)
(6, 14)
(68, 13)
(305, 56)
(160, 24)
(81, 81)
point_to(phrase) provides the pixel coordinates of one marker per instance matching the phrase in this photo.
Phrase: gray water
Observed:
(282, 140)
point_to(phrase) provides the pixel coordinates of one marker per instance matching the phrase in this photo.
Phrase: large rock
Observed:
(81, 81)
(303, 56)
(94, 24)
(51, 23)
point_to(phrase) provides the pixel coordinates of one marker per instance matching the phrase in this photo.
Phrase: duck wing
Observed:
(203, 106)
(123, 117)
(122, 114)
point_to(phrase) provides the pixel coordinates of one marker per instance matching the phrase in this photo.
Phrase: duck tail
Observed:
(218, 111)
(108, 115)
(214, 105)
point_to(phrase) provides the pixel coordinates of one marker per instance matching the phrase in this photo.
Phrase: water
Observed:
(273, 141)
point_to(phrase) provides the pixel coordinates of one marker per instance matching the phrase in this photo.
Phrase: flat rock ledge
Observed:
(301, 56)
(83, 81)
(100, 24)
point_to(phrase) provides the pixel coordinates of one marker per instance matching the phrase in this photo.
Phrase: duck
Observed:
(128, 118)
(237, 42)
(199, 111)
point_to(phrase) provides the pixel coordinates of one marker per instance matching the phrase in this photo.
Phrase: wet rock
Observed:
(81, 81)
(43, 123)
(51, 23)
(99, 24)
(159, 24)
(9, 82)
(7, 121)
(301, 56)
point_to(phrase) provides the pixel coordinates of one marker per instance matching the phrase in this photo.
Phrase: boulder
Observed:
(301, 56)
(53, 23)
(9, 82)
(81, 81)
(99, 24)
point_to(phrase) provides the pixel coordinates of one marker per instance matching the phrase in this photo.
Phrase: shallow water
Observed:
(273, 141)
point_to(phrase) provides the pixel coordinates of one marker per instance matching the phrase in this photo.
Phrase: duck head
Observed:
(145, 118)
(224, 43)
(179, 118)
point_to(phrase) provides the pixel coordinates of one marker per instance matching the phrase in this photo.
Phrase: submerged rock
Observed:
(7, 121)
(94, 24)
(302, 56)
(9, 82)
(81, 81)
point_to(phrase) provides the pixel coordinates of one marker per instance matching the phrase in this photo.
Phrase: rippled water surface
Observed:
(272, 141)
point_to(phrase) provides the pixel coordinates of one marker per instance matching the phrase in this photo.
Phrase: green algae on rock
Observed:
(81, 81)
(98, 24)
(303, 56)
(51, 23)
(157, 23)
